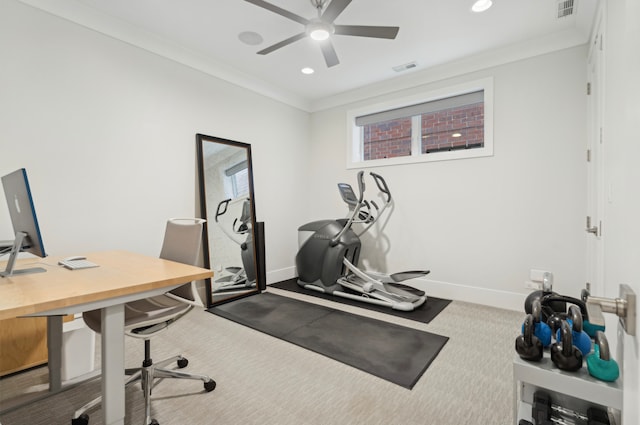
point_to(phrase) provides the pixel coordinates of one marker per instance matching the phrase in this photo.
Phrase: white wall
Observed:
(481, 224)
(106, 131)
(107, 134)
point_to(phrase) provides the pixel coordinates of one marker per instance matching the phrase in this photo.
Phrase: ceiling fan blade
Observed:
(275, 9)
(329, 53)
(367, 31)
(334, 9)
(282, 43)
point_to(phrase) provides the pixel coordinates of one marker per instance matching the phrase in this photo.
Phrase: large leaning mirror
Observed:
(226, 199)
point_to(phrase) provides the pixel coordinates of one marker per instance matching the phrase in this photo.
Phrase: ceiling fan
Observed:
(322, 27)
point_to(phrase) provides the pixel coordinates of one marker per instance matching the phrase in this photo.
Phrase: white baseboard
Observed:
(451, 291)
(472, 294)
(275, 276)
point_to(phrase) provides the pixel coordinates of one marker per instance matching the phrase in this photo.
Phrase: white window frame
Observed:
(231, 179)
(354, 137)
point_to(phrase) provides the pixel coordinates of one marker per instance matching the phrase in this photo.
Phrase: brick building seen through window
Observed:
(460, 127)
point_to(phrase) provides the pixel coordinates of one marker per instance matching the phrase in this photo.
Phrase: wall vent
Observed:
(565, 8)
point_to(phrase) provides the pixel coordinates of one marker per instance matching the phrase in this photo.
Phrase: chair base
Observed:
(147, 375)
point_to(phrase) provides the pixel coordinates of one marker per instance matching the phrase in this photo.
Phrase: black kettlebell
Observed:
(548, 302)
(555, 322)
(580, 337)
(528, 346)
(564, 354)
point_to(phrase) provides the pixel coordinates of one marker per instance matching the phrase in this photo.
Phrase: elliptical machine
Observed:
(237, 277)
(327, 259)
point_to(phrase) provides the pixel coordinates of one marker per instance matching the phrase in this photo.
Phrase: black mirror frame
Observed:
(257, 227)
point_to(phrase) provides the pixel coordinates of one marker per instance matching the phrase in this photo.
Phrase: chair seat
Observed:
(147, 317)
(142, 313)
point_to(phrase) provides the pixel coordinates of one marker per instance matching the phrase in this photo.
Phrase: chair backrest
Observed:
(182, 243)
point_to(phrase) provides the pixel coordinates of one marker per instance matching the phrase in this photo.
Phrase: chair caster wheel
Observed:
(183, 363)
(209, 385)
(81, 420)
(153, 422)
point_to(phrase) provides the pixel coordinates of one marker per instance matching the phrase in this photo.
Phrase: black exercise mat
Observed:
(386, 350)
(425, 313)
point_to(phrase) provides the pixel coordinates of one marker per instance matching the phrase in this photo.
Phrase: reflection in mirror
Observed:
(226, 196)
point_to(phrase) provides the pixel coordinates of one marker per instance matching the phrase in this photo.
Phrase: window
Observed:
(238, 176)
(446, 124)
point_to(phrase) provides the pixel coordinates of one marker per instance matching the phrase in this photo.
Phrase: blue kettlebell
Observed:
(542, 331)
(579, 336)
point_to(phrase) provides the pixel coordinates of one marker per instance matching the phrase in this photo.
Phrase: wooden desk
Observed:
(122, 277)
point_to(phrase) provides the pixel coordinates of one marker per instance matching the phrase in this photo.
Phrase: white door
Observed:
(594, 156)
(614, 174)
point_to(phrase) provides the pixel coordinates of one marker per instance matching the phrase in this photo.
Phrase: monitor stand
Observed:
(17, 246)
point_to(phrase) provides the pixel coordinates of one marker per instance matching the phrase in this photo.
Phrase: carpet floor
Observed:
(265, 381)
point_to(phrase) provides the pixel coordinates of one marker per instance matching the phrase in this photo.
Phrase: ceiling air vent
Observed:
(565, 8)
(405, 66)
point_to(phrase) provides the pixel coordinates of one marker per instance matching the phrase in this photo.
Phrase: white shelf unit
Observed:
(574, 390)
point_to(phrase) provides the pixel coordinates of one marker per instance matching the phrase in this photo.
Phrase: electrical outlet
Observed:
(537, 275)
(532, 285)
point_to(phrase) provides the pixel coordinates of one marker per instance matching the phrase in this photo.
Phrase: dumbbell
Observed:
(564, 354)
(528, 346)
(599, 363)
(543, 412)
(541, 330)
(580, 337)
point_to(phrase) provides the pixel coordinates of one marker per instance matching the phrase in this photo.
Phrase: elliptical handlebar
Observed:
(384, 189)
(360, 210)
(233, 234)
(361, 186)
(382, 185)
(222, 206)
(355, 211)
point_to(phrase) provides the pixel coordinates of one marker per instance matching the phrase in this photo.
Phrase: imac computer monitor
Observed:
(24, 220)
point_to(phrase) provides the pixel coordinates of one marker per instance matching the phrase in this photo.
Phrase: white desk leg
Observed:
(113, 364)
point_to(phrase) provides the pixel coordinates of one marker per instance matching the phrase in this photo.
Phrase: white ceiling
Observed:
(204, 34)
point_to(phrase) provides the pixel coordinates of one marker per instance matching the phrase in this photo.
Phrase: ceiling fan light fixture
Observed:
(319, 34)
(481, 5)
(319, 30)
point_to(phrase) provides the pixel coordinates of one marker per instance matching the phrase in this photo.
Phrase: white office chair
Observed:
(147, 317)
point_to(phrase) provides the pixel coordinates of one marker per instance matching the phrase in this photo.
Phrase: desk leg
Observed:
(54, 352)
(113, 364)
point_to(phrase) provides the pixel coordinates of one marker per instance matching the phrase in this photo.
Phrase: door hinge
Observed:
(595, 230)
(600, 135)
(588, 155)
(588, 89)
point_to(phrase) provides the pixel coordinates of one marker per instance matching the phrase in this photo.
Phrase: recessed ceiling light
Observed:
(481, 5)
(307, 70)
(456, 135)
(251, 38)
